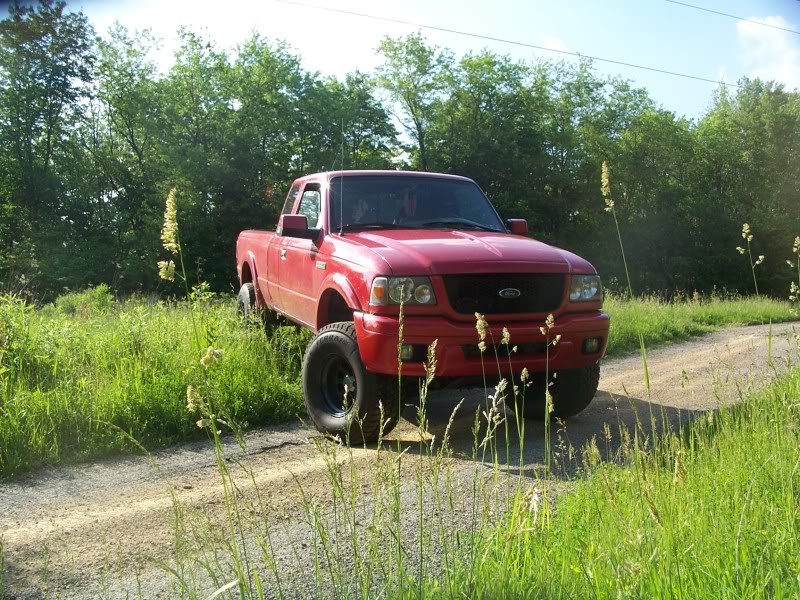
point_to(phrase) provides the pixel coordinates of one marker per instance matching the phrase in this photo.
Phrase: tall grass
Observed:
(75, 375)
(662, 322)
(712, 513)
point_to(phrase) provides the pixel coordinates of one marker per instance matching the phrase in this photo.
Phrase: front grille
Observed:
(538, 292)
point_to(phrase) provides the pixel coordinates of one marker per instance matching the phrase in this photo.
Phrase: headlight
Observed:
(408, 290)
(585, 288)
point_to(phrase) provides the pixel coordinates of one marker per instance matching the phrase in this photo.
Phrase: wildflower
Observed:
(211, 356)
(203, 423)
(166, 270)
(759, 261)
(746, 233)
(169, 233)
(740, 250)
(480, 325)
(506, 336)
(525, 375)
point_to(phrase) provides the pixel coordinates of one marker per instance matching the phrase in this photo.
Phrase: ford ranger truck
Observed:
(353, 247)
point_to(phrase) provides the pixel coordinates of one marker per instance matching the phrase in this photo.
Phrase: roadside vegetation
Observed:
(710, 512)
(86, 375)
(661, 322)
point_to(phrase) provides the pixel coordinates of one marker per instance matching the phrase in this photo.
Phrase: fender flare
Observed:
(250, 261)
(337, 282)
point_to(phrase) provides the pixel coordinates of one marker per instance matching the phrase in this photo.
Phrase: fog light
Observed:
(592, 345)
(406, 352)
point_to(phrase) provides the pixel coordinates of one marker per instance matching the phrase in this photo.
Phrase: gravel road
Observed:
(108, 528)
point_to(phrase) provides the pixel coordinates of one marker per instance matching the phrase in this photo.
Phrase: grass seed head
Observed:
(211, 356)
(166, 270)
(740, 250)
(506, 336)
(169, 232)
(796, 245)
(480, 325)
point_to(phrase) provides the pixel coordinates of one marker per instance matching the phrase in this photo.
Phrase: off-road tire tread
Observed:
(576, 392)
(368, 426)
(247, 309)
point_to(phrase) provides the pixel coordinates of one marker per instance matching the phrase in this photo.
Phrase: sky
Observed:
(653, 33)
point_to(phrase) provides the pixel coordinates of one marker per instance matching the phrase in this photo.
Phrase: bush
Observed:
(86, 303)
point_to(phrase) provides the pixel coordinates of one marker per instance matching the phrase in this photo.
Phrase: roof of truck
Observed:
(328, 175)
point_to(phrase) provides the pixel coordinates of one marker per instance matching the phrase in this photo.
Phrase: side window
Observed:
(289, 204)
(309, 204)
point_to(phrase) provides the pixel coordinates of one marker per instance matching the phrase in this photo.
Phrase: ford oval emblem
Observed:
(509, 293)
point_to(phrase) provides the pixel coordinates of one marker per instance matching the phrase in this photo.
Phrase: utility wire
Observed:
(716, 12)
(503, 41)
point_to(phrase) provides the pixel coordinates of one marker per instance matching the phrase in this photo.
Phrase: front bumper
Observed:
(378, 338)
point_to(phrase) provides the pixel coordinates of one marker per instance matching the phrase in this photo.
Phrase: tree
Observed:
(413, 75)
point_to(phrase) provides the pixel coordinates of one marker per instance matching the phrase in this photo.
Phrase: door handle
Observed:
(283, 254)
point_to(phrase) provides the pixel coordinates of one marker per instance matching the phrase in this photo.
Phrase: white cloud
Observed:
(769, 53)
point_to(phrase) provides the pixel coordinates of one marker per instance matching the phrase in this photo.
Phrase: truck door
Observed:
(300, 258)
(271, 282)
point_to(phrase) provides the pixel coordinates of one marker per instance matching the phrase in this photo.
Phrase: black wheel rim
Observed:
(338, 386)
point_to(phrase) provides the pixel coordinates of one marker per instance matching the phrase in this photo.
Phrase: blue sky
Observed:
(649, 32)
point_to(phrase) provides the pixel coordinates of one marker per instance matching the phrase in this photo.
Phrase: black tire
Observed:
(248, 310)
(246, 303)
(332, 361)
(572, 391)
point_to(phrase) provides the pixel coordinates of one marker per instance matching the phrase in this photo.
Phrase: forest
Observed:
(93, 136)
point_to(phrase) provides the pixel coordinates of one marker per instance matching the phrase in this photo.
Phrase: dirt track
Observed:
(89, 530)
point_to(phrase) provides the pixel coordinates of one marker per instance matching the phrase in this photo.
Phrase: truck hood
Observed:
(444, 252)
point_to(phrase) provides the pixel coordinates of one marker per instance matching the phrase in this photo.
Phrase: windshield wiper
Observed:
(376, 225)
(459, 223)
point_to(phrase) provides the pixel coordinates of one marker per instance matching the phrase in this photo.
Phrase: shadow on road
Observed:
(610, 420)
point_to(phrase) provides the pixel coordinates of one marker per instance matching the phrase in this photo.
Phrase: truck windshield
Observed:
(402, 201)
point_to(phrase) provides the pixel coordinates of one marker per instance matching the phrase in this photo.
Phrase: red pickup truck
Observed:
(351, 247)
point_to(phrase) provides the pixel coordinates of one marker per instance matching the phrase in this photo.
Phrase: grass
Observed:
(77, 374)
(86, 376)
(712, 512)
(662, 322)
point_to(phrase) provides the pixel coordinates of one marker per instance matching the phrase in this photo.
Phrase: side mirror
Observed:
(517, 226)
(296, 226)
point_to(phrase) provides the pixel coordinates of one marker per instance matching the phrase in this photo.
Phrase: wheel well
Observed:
(247, 276)
(332, 309)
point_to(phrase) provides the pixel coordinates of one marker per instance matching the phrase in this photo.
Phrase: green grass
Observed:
(712, 512)
(663, 322)
(73, 376)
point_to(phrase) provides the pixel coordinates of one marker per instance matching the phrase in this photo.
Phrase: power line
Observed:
(716, 12)
(503, 41)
